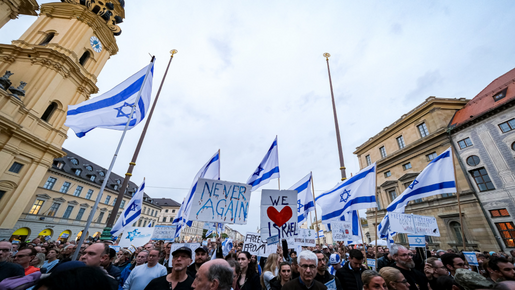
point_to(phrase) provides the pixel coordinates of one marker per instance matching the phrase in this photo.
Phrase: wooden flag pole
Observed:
(314, 203)
(375, 229)
(459, 203)
(362, 236)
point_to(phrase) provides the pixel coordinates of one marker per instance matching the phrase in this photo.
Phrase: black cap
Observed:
(202, 248)
(186, 250)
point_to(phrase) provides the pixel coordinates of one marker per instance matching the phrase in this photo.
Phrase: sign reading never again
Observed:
(220, 201)
(279, 214)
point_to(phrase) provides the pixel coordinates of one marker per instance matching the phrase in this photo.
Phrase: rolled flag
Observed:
(132, 212)
(267, 170)
(112, 109)
(305, 202)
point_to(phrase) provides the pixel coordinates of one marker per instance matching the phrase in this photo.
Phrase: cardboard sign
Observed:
(342, 231)
(192, 246)
(220, 201)
(165, 233)
(471, 258)
(401, 223)
(413, 224)
(279, 213)
(417, 241)
(371, 263)
(306, 238)
(136, 236)
(255, 246)
(426, 225)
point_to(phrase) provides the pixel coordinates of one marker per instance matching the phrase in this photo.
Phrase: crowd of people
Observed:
(48, 265)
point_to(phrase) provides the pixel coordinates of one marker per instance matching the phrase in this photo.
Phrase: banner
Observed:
(413, 224)
(165, 233)
(255, 246)
(426, 225)
(137, 237)
(417, 241)
(192, 246)
(371, 263)
(342, 231)
(471, 258)
(220, 201)
(278, 213)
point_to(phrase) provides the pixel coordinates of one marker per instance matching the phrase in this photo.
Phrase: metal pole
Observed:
(342, 164)
(459, 203)
(102, 188)
(362, 236)
(106, 234)
(316, 218)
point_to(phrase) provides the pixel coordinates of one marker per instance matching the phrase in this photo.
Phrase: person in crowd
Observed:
(140, 276)
(440, 252)
(284, 276)
(51, 260)
(214, 275)
(385, 261)
(8, 269)
(452, 261)
(370, 252)
(67, 253)
(23, 258)
(404, 262)
(433, 269)
(201, 256)
(295, 268)
(349, 274)
(123, 259)
(373, 281)
(500, 269)
(323, 275)
(77, 278)
(141, 259)
(38, 261)
(236, 272)
(148, 247)
(178, 279)
(394, 279)
(505, 285)
(249, 278)
(166, 256)
(271, 270)
(308, 262)
(325, 251)
(111, 269)
(334, 264)
(94, 256)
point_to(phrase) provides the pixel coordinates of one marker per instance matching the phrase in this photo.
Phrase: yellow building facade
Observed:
(11, 9)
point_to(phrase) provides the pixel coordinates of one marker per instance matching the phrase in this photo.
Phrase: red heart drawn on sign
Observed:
(279, 218)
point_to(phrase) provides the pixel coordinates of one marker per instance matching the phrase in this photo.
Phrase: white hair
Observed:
(309, 256)
(395, 249)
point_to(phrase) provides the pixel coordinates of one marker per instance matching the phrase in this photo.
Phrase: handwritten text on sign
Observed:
(413, 224)
(255, 246)
(220, 201)
(279, 213)
(342, 231)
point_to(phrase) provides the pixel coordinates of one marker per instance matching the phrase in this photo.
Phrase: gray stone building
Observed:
(483, 135)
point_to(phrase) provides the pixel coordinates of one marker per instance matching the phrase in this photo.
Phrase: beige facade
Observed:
(10, 9)
(401, 151)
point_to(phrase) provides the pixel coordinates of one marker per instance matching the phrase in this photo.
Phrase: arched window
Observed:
(84, 58)
(48, 38)
(49, 112)
(456, 228)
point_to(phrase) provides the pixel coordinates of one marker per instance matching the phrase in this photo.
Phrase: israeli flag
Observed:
(210, 227)
(267, 170)
(132, 212)
(352, 216)
(355, 193)
(305, 202)
(227, 245)
(112, 109)
(220, 229)
(321, 233)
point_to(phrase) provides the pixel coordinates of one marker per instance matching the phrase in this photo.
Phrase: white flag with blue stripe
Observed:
(267, 170)
(355, 193)
(132, 212)
(305, 202)
(112, 109)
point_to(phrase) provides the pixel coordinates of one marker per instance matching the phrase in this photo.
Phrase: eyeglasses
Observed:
(305, 267)
(403, 281)
(20, 256)
(405, 255)
(5, 250)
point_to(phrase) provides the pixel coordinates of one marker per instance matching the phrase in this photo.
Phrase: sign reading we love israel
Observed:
(279, 214)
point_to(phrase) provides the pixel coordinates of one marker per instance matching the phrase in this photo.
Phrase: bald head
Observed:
(5, 250)
(216, 274)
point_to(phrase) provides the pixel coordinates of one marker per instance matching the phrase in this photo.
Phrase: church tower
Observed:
(55, 63)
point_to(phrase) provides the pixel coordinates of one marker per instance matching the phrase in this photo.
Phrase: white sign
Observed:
(192, 246)
(136, 236)
(165, 233)
(417, 241)
(471, 258)
(272, 240)
(116, 248)
(413, 224)
(279, 213)
(306, 238)
(255, 246)
(220, 201)
(370, 262)
(342, 231)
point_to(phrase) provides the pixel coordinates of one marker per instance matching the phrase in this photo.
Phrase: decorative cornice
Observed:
(84, 205)
(73, 202)
(59, 199)
(106, 10)
(43, 196)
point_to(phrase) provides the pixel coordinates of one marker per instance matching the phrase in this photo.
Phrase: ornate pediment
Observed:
(43, 196)
(73, 202)
(388, 183)
(59, 199)
(84, 205)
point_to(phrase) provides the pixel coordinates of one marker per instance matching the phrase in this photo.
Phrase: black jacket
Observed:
(252, 283)
(295, 284)
(384, 262)
(275, 283)
(350, 279)
(328, 277)
(416, 279)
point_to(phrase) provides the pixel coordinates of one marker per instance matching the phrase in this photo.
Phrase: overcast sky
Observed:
(247, 71)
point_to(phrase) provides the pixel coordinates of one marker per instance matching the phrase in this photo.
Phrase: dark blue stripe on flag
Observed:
(337, 213)
(303, 186)
(422, 190)
(349, 182)
(265, 176)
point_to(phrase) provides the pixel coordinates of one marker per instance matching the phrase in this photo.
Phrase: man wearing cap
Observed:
(334, 264)
(326, 251)
(201, 256)
(178, 279)
(142, 275)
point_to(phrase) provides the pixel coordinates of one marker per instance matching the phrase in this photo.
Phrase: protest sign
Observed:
(165, 233)
(342, 231)
(426, 225)
(272, 240)
(116, 248)
(371, 263)
(471, 258)
(401, 223)
(136, 236)
(306, 238)
(255, 246)
(417, 241)
(220, 201)
(192, 246)
(278, 213)
(413, 224)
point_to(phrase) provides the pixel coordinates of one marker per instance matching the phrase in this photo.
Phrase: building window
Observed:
(78, 190)
(499, 213)
(16, 167)
(513, 146)
(465, 143)
(407, 166)
(2, 193)
(92, 177)
(473, 160)
(173, 210)
(369, 161)
(500, 95)
(65, 187)
(122, 205)
(483, 181)
(166, 210)
(446, 194)
(59, 164)
(164, 219)
(422, 129)
(507, 231)
(456, 228)
(37, 206)
(139, 223)
(89, 168)
(100, 217)
(47, 39)
(431, 156)
(49, 184)
(383, 152)
(392, 194)
(115, 187)
(387, 174)
(68, 211)
(78, 172)
(152, 214)
(53, 209)
(101, 173)
(49, 112)
(89, 194)
(80, 213)
(84, 58)
(108, 198)
(507, 126)
(114, 200)
(418, 200)
(74, 161)
(400, 142)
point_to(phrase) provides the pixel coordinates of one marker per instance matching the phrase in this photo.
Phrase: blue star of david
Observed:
(300, 205)
(415, 182)
(258, 170)
(132, 235)
(418, 240)
(345, 196)
(121, 113)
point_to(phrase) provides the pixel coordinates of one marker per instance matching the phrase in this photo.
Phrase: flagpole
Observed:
(362, 236)
(339, 142)
(375, 225)
(459, 203)
(106, 234)
(104, 183)
(314, 203)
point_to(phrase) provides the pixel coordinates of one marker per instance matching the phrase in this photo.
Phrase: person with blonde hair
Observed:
(270, 270)
(394, 279)
(372, 281)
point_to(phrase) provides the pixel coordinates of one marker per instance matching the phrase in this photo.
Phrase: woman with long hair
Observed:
(372, 281)
(394, 279)
(284, 276)
(271, 270)
(249, 278)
